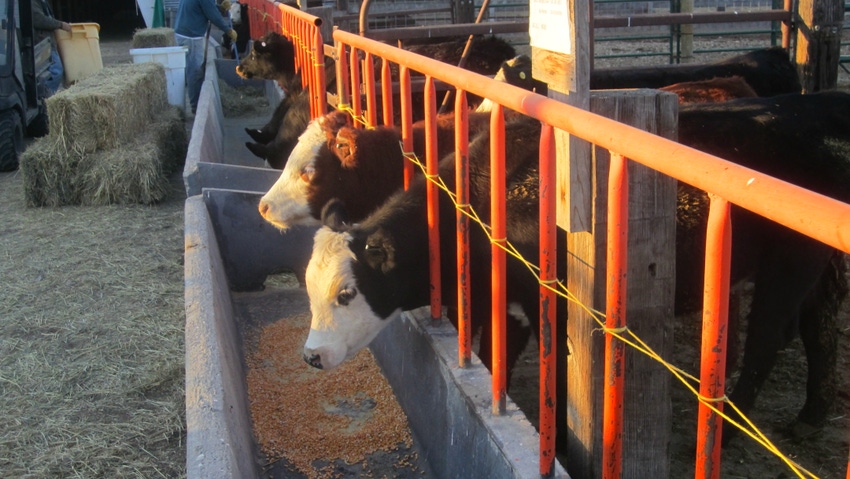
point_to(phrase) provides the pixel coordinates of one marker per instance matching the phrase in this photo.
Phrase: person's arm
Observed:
(40, 21)
(214, 15)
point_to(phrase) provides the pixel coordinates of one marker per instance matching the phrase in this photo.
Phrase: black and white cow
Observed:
(361, 276)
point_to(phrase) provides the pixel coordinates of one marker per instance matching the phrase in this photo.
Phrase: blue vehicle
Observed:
(23, 69)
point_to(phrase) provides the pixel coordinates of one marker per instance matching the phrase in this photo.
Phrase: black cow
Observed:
(798, 282)
(294, 113)
(769, 71)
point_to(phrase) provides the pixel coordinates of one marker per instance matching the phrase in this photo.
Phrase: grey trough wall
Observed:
(229, 247)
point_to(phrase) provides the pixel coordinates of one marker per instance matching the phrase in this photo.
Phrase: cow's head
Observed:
(236, 13)
(517, 72)
(288, 202)
(350, 284)
(272, 57)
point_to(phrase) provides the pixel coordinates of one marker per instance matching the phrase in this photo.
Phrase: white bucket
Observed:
(174, 61)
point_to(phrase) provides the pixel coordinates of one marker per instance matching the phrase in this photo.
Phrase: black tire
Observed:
(38, 127)
(11, 139)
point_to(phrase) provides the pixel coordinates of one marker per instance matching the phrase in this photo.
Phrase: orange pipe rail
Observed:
(815, 215)
(354, 66)
(615, 317)
(499, 238)
(432, 170)
(304, 31)
(369, 81)
(548, 301)
(343, 82)
(406, 121)
(718, 254)
(818, 216)
(464, 304)
(386, 92)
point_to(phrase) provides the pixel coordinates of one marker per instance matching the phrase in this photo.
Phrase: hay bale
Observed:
(109, 107)
(154, 38)
(48, 171)
(136, 171)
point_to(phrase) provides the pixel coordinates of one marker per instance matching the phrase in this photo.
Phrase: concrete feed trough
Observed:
(230, 248)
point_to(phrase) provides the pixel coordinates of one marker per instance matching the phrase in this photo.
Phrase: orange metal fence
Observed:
(822, 218)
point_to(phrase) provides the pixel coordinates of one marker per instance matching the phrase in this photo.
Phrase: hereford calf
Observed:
(363, 167)
(362, 275)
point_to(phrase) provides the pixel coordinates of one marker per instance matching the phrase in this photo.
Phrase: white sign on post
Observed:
(549, 25)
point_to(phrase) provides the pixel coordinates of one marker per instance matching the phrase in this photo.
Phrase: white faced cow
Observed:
(361, 167)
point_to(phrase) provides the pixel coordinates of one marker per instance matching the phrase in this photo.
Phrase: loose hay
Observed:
(107, 108)
(91, 341)
(154, 38)
(242, 100)
(310, 416)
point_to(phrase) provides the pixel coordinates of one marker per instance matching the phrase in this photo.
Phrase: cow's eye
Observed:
(345, 296)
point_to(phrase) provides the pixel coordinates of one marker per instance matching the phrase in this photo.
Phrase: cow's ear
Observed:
(345, 146)
(334, 215)
(332, 122)
(379, 252)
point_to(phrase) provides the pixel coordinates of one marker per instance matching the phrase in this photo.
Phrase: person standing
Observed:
(190, 28)
(44, 26)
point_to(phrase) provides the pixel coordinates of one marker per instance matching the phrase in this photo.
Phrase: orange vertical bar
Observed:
(548, 302)
(304, 60)
(615, 312)
(497, 280)
(354, 65)
(464, 328)
(319, 77)
(431, 169)
(715, 315)
(406, 121)
(786, 26)
(343, 86)
(386, 92)
(309, 72)
(369, 81)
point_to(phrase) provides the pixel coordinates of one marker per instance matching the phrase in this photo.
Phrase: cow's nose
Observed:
(264, 208)
(313, 360)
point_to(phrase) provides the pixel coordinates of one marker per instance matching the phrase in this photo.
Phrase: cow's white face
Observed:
(236, 13)
(343, 322)
(285, 205)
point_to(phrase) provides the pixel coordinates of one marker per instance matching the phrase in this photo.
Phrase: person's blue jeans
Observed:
(57, 73)
(194, 67)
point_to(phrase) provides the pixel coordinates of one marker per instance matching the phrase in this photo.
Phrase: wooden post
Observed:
(651, 279)
(818, 43)
(686, 35)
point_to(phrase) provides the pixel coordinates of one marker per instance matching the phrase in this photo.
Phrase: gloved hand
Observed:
(232, 34)
(224, 7)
